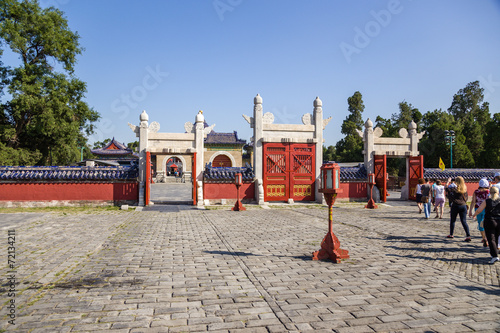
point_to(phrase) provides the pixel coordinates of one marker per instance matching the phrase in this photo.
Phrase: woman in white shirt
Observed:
(439, 199)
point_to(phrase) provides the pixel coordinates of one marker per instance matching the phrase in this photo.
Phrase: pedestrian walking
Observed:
(481, 194)
(433, 195)
(458, 197)
(426, 198)
(496, 179)
(447, 189)
(491, 221)
(418, 194)
(439, 198)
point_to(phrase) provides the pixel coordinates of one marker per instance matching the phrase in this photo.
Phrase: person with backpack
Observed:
(491, 221)
(478, 197)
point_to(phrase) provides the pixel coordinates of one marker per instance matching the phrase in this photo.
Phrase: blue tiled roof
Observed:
(353, 173)
(226, 175)
(224, 138)
(67, 173)
(467, 174)
(106, 151)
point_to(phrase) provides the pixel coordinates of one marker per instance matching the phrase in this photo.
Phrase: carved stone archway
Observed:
(405, 146)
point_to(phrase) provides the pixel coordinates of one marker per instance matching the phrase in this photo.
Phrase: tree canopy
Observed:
(351, 146)
(45, 119)
(477, 132)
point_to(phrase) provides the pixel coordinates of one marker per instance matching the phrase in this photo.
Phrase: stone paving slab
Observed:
(224, 271)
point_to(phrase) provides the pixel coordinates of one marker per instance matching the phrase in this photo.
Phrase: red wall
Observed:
(69, 191)
(228, 191)
(353, 190)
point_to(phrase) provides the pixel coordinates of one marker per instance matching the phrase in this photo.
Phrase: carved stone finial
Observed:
(257, 99)
(368, 123)
(317, 102)
(412, 125)
(144, 116)
(199, 117)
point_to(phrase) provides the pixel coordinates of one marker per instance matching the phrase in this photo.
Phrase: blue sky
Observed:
(173, 58)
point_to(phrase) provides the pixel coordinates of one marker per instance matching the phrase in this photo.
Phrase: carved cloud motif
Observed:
(189, 127)
(268, 118)
(154, 127)
(208, 129)
(326, 121)
(249, 120)
(377, 132)
(134, 128)
(307, 119)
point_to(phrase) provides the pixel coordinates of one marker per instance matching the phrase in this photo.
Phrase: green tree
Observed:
(433, 145)
(490, 156)
(473, 115)
(387, 127)
(133, 145)
(101, 144)
(329, 154)
(46, 119)
(407, 114)
(349, 149)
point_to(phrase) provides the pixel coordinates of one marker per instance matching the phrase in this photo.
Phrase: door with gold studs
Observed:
(289, 172)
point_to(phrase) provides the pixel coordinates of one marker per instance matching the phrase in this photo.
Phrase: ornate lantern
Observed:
(238, 181)
(330, 176)
(371, 182)
(330, 187)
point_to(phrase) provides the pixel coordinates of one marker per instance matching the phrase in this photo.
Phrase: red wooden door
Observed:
(416, 171)
(276, 161)
(302, 176)
(289, 172)
(380, 167)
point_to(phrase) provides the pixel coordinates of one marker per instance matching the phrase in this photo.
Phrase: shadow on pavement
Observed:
(248, 254)
(484, 290)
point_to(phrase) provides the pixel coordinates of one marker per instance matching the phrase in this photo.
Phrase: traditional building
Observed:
(114, 153)
(224, 150)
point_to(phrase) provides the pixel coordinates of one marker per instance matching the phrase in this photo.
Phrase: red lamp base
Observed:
(371, 204)
(330, 249)
(238, 206)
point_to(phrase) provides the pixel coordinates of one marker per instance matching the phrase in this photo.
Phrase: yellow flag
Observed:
(441, 164)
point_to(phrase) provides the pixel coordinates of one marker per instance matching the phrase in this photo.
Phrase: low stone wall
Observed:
(353, 191)
(219, 187)
(67, 186)
(225, 193)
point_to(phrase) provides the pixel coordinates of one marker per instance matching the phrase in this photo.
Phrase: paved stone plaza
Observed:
(224, 271)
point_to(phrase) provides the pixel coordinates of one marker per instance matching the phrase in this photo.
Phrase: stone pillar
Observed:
(143, 145)
(258, 148)
(369, 146)
(318, 128)
(199, 146)
(413, 138)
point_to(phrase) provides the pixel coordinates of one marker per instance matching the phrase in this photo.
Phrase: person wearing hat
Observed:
(496, 179)
(478, 197)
